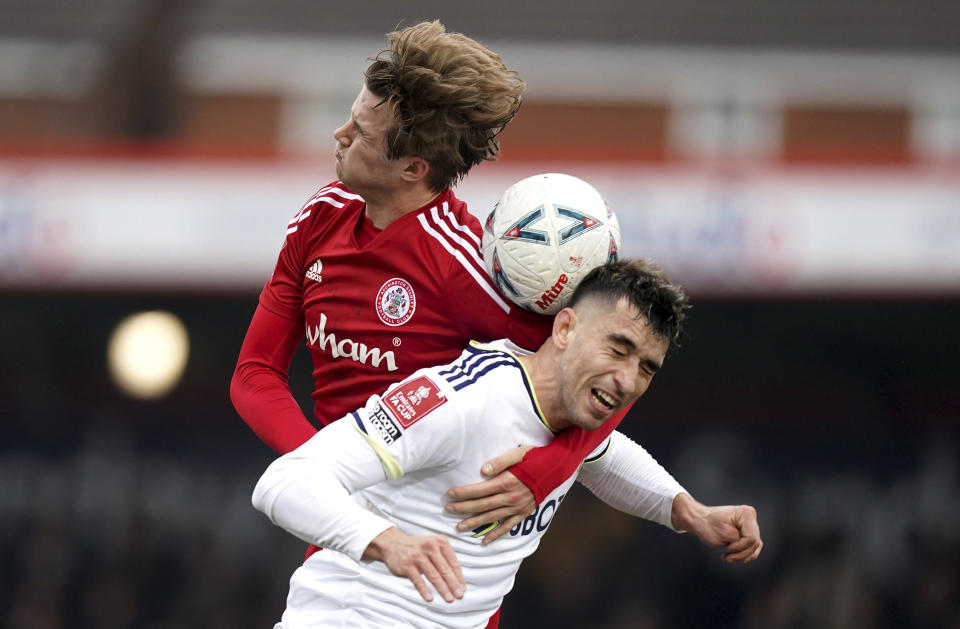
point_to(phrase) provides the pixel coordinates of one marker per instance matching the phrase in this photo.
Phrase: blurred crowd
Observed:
(112, 534)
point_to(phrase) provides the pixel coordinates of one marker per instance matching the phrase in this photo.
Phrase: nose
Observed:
(630, 380)
(342, 134)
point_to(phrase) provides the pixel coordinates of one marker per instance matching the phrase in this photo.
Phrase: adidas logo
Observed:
(313, 272)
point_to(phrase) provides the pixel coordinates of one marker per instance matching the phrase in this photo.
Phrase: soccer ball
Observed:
(544, 235)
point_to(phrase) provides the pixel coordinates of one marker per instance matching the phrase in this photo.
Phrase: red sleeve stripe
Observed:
(303, 213)
(472, 250)
(319, 193)
(329, 200)
(320, 196)
(349, 196)
(463, 228)
(480, 277)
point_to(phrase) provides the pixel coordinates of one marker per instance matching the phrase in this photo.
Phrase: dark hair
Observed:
(450, 97)
(646, 287)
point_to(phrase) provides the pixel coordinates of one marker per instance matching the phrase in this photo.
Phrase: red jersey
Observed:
(412, 297)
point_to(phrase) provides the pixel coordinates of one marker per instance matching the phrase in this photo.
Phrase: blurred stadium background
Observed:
(796, 165)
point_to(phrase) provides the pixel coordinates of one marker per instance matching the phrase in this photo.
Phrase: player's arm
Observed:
(259, 388)
(521, 478)
(545, 468)
(307, 492)
(625, 476)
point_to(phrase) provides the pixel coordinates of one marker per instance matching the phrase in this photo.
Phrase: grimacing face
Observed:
(361, 154)
(609, 357)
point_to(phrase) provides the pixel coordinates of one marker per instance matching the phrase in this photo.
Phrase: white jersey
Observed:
(397, 456)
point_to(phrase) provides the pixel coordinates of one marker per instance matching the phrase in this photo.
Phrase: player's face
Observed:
(608, 361)
(361, 153)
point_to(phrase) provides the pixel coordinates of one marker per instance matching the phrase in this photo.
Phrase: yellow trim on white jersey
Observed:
(391, 467)
(526, 377)
(480, 532)
(596, 457)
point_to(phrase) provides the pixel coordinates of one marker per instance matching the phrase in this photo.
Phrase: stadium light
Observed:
(147, 354)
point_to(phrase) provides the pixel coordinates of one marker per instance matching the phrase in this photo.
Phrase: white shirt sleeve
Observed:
(307, 491)
(627, 478)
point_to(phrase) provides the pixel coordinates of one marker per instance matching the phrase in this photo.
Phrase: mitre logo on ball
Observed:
(544, 234)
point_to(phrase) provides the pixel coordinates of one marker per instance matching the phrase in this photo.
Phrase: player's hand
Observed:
(502, 498)
(733, 528)
(415, 557)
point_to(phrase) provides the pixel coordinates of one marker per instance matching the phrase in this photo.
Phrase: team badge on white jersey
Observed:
(413, 400)
(313, 273)
(396, 302)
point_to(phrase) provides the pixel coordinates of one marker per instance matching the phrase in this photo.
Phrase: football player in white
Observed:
(365, 487)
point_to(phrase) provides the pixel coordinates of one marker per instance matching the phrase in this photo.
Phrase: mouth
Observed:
(603, 400)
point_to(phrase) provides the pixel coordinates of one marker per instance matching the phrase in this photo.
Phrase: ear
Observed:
(564, 325)
(415, 169)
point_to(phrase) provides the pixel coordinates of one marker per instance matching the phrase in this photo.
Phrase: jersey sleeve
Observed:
(545, 468)
(307, 491)
(628, 478)
(259, 389)
(283, 292)
(414, 425)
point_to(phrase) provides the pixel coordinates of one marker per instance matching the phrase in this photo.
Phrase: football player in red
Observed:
(381, 269)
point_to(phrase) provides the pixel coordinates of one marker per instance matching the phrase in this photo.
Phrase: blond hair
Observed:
(450, 97)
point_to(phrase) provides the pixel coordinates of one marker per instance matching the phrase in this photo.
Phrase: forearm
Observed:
(259, 388)
(629, 479)
(546, 468)
(307, 492)
(263, 400)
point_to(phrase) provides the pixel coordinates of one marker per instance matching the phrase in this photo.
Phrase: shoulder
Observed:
(334, 197)
(447, 220)
(404, 405)
(487, 365)
(455, 236)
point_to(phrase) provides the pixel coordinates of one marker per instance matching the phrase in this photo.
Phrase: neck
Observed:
(384, 208)
(547, 387)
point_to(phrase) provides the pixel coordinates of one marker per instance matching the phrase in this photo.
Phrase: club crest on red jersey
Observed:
(412, 401)
(396, 302)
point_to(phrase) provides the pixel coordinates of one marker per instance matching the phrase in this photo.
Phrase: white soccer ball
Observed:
(544, 235)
